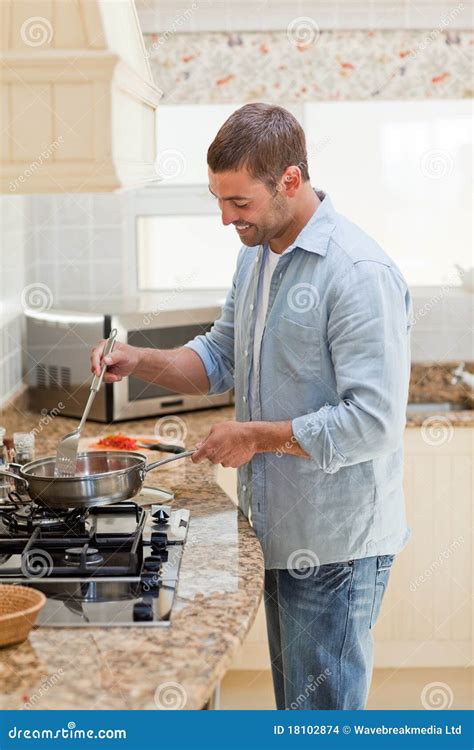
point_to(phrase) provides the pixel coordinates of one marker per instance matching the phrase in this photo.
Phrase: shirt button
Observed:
(244, 487)
(246, 352)
(244, 399)
(252, 306)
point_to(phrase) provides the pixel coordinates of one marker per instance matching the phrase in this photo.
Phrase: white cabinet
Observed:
(426, 618)
(78, 99)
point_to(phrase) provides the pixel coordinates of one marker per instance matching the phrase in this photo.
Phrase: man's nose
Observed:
(229, 215)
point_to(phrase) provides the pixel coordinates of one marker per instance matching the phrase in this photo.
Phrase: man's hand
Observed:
(122, 361)
(228, 443)
(236, 443)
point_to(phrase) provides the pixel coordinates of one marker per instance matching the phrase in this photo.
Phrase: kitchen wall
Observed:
(79, 245)
(14, 279)
(64, 250)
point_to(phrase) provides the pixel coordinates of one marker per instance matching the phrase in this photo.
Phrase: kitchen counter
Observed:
(430, 383)
(219, 590)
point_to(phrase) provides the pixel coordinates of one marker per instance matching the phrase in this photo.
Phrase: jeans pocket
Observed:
(384, 566)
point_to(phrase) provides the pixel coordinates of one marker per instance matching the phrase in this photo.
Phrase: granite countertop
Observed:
(219, 590)
(430, 383)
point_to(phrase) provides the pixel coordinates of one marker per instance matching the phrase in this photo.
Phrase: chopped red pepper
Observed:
(118, 442)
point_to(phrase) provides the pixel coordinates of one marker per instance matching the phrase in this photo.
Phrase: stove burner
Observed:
(32, 516)
(74, 556)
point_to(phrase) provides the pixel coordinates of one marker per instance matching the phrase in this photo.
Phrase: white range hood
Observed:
(78, 101)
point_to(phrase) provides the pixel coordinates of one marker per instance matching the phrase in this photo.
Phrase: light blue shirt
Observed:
(335, 360)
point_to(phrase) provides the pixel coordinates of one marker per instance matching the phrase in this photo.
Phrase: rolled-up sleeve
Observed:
(216, 348)
(368, 338)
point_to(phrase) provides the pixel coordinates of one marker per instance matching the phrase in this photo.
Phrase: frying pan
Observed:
(102, 478)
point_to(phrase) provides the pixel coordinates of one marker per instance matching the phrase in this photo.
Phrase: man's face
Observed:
(257, 213)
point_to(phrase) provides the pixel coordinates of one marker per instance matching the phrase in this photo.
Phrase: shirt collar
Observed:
(314, 237)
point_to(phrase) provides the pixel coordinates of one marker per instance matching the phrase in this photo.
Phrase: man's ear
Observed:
(291, 181)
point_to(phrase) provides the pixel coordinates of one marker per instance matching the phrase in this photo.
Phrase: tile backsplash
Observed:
(79, 244)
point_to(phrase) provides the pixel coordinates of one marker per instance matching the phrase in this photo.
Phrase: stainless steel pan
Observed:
(102, 477)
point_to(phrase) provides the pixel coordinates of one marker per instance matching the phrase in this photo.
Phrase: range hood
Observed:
(78, 107)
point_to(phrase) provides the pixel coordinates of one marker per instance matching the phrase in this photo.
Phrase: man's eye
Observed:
(241, 205)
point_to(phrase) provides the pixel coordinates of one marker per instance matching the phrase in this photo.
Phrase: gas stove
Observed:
(111, 565)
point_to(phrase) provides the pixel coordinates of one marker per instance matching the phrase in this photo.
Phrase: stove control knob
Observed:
(161, 516)
(150, 583)
(152, 563)
(143, 611)
(159, 540)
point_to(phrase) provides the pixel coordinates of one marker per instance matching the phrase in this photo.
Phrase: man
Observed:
(314, 337)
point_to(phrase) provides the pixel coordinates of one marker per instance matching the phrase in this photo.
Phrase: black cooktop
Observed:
(109, 565)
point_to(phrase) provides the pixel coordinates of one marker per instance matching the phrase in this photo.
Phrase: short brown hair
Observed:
(264, 138)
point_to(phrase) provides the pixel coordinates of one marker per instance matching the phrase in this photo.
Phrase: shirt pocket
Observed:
(297, 349)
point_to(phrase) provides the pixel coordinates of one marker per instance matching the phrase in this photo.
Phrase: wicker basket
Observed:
(19, 607)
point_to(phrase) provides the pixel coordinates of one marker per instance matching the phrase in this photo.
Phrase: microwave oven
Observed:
(59, 343)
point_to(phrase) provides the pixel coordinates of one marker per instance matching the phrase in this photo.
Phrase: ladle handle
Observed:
(109, 345)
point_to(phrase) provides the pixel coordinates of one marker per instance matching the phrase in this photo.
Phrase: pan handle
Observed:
(12, 475)
(155, 464)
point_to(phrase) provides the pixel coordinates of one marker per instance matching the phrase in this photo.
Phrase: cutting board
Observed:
(89, 443)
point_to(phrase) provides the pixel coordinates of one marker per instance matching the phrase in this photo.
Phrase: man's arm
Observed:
(179, 370)
(367, 335)
(203, 365)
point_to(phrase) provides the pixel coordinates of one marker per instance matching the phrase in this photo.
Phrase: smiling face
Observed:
(257, 213)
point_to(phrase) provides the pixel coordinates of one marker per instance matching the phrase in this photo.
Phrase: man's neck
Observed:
(308, 206)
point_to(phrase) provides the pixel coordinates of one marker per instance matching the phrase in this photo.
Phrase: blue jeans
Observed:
(320, 624)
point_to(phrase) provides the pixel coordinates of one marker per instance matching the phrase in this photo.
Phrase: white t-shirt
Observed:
(268, 267)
